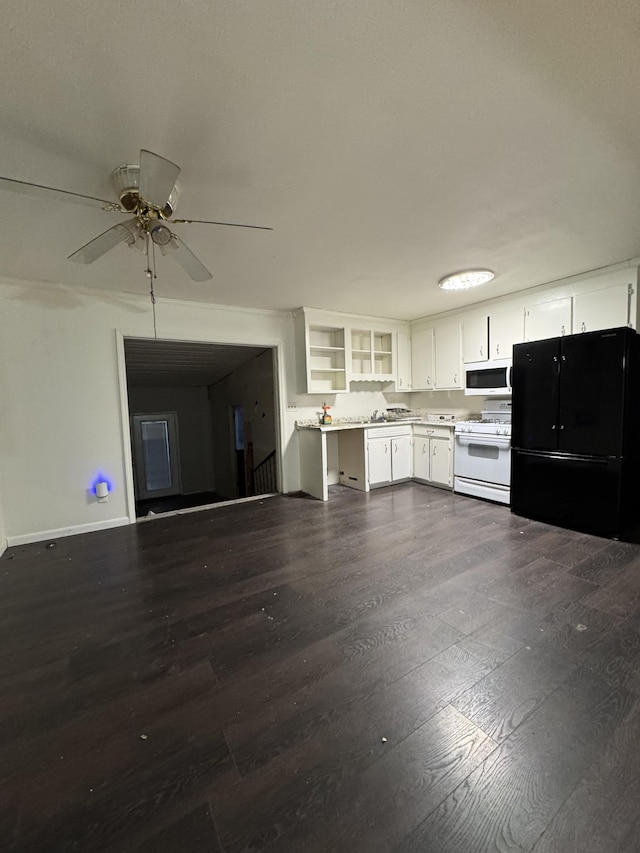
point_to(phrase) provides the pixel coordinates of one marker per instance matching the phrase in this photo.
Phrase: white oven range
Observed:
(482, 457)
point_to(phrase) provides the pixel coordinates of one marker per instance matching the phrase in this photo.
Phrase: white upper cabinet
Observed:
(448, 354)
(547, 320)
(325, 359)
(422, 374)
(602, 309)
(371, 355)
(506, 328)
(403, 362)
(475, 339)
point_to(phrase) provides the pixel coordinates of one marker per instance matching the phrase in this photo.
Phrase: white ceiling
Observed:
(388, 143)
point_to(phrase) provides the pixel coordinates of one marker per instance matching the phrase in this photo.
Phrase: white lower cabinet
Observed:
(388, 456)
(379, 459)
(378, 456)
(401, 458)
(433, 456)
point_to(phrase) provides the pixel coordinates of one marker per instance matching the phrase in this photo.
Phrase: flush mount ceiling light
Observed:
(466, 279)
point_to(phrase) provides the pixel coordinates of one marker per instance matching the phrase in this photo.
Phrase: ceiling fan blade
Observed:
(157, 178)
(187, 260)
(41, 191)
(100, 245)
(232, 224)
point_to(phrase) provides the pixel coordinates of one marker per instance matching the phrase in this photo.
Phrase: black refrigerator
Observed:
(575, 458)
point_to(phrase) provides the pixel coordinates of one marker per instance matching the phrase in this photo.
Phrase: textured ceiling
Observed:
(387, 143)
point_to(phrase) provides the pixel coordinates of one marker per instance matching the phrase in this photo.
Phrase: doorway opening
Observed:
(202, 421)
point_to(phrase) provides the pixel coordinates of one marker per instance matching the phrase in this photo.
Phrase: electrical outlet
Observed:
(291, 407)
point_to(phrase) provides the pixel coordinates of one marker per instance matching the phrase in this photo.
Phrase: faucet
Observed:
(376, 417)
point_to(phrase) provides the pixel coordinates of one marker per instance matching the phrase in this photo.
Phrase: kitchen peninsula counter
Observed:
(313, 440)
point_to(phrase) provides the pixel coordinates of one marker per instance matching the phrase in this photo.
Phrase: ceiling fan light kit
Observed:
(465, 279)
(126, 180)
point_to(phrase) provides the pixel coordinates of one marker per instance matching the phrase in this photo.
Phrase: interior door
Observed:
(155, 455)
(592, 381)
(535, 395)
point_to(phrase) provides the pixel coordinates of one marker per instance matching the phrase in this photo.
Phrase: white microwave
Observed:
(488, 378)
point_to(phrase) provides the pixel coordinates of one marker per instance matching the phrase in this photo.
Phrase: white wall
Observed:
(61, 397)
(3, 536)
(195, 438)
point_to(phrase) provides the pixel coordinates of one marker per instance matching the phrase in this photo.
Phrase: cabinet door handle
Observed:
(583, 328)
(434, 448)
(386, 448)
(562, 329)
(428, 380)
(481, 351)
(455, 378)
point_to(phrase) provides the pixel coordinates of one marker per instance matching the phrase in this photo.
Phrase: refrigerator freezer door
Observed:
(568, 490)
(535, 395)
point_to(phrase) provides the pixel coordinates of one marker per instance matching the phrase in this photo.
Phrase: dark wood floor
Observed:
(402, 671)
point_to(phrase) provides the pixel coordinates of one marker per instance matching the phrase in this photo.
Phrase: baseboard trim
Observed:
(39, 536)
(187, 509)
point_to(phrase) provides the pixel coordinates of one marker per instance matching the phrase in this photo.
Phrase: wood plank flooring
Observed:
(407, 670)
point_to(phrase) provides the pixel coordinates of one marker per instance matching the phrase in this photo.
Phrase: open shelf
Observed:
(326, 360)
(371, 355)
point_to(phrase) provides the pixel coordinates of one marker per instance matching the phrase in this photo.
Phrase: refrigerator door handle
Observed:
(564, 457)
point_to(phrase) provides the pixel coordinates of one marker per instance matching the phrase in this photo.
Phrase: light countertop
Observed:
(342, 425)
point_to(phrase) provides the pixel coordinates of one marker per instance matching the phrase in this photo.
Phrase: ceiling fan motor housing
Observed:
(126, 179)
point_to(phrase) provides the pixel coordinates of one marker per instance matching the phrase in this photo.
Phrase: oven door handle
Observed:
(486, 440)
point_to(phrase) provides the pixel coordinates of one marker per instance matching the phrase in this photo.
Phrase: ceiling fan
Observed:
(149, 193)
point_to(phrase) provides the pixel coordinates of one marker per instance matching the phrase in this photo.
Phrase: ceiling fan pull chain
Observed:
(151, 275)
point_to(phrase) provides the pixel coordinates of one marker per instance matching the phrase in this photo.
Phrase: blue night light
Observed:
(101, 478)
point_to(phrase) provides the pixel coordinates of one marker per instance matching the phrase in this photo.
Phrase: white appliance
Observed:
(484, 378)
(482, 457)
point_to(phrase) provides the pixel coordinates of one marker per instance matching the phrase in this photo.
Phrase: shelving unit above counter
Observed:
(326, 359)
(340, 349)
(372, 355)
